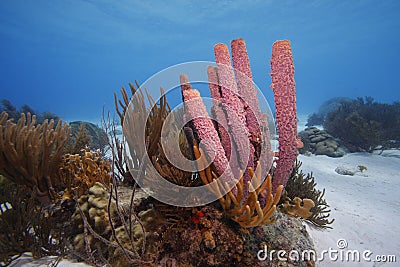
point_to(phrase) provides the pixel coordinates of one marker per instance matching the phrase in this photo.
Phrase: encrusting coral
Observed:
(30, 155)
(362, 124)
(96, 209)
(107, 232)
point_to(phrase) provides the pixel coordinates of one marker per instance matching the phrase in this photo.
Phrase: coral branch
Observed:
(29, 154)
(80, 172)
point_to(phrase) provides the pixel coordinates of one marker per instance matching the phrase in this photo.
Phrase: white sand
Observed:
(365, 206)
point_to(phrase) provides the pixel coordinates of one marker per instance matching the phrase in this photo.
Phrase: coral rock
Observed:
(319, 142)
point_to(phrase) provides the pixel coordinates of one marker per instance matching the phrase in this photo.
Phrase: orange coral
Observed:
(299, 207)
(246, 211)
(79, 173)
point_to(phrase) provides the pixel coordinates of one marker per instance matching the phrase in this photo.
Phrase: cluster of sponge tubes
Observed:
(240, 140)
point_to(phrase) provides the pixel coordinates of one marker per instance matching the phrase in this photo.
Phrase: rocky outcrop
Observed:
(319, 142)
(287, 234)
(211, 241)
(183, 237)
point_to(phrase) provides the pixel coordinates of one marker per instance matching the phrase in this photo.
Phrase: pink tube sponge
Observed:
(197, 113)
(236, 116)
(246, 88)
(218, 112)
(284, 87)
(255, 122)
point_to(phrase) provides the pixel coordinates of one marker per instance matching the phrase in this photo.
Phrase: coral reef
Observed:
(212, 241)
(10, 109)
(326, 107)
(362, 124)
(30, 155)
(113, 222)
(14, 113)
(315, 119)
(301, 187)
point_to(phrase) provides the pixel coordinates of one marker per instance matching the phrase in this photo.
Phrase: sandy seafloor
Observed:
(366, 209)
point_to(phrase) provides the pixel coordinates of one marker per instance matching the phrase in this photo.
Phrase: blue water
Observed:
(68, 57)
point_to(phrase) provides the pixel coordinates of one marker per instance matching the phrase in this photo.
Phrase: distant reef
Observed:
(91, 134)
(14, 113)
(324, 109)
(360, 124)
